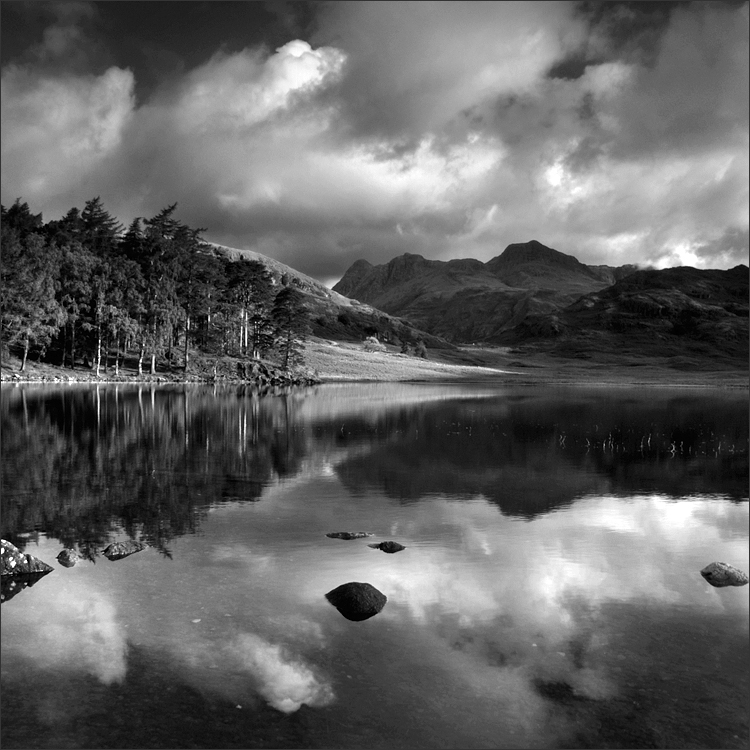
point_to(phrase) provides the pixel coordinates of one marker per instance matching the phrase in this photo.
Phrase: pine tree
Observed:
(100, 229)
(291, 320)
(251, 290)
(20, 218)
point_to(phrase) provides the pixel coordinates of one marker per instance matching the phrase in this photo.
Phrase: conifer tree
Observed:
(291, 320)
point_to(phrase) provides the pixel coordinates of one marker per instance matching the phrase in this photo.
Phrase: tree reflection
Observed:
(85, 464)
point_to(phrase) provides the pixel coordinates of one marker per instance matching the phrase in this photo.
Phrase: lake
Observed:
(549, 593)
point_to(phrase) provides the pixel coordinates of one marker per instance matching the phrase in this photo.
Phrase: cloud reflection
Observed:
(286, 683)
(80, 631)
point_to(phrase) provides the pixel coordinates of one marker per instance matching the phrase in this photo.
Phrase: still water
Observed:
(549, 594)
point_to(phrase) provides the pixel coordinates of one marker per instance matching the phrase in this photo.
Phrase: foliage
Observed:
(81, 287)
(291, 322)
(371, 344)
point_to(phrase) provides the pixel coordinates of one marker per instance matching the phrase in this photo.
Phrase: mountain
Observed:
(466, 300)
(335, 316)
(683, 313)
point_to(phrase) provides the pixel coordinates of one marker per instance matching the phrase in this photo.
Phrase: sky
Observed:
(326, 132)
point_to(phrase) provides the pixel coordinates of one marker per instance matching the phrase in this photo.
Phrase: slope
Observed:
(335, 316)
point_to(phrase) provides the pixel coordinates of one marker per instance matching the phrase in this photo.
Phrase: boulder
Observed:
(118, 550)
(357, 601)
(388, 546)
(68, 558)
(720, 574)
(348, 534)
(17, 563)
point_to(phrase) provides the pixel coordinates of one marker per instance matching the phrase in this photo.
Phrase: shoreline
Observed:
(329, 362)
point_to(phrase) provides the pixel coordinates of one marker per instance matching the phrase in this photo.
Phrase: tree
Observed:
(251, 291)
(66, 230)
(290, 318)
(20, 218)
(198, 275)
(75, 294)
(99, 228)
(157, 259)
(30, 313)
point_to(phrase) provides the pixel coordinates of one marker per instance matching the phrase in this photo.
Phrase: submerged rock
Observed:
(388, 546)
(720, 574)
(348, 534)
(68, 558)
(118, 550)
(17, 563)
(357, 601)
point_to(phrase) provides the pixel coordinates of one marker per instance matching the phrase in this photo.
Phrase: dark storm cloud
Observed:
(323, 133)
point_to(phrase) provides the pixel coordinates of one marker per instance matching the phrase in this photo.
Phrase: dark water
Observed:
(549, 594)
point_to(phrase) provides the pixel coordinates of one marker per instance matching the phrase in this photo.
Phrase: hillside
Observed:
(335, 316)
(466, 300)
(697, 318)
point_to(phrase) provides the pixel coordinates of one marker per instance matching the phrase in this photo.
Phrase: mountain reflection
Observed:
(530, 455)
(85, 463)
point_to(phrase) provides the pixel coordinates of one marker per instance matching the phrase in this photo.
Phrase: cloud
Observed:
(414, 67)
(434, 128)
(57, 131)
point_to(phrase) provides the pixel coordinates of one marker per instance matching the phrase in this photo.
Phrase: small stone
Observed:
(68, 558)
(720, 574)
(348, 534)
(118, 550)
(390, 547)
(198, 620)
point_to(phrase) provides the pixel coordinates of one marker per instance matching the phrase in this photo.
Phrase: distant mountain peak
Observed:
(531, 252)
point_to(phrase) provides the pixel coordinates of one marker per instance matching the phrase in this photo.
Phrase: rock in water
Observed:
(388, 546)
(357, 601)
(348, 534)
(16, 563)
(720, 574)
(118, 550)
(68, 558)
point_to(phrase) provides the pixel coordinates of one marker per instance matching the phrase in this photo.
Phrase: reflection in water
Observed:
(549, 593)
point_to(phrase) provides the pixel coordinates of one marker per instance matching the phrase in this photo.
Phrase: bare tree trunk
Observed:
(25, 353)
(153, 351)
(141, 354)
(98, 349)
(169, 347)
(187, 334)
(73, 346)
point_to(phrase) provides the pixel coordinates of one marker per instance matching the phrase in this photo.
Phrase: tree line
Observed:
(84, 289)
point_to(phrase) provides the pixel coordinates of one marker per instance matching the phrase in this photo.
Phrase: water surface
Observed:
(549, 594)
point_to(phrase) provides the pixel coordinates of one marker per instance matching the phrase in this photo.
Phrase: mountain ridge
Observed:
(526, 278)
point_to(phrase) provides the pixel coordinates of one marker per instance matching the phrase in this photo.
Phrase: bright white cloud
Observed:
(233, 92)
